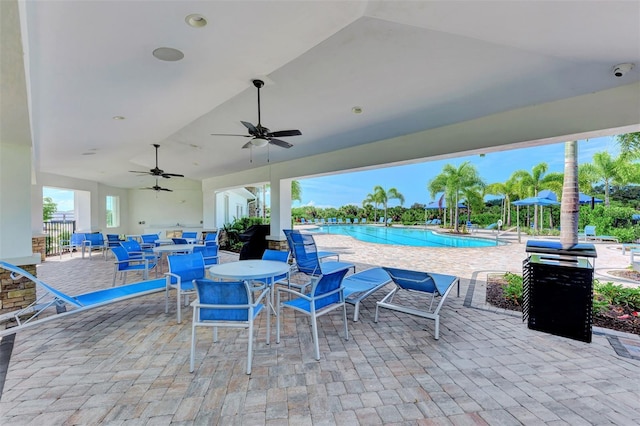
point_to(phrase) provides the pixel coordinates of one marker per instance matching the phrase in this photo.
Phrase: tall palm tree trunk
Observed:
(570, 197)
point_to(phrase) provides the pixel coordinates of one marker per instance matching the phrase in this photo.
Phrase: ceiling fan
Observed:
(156, 171)
(260, 135)
(158, 188)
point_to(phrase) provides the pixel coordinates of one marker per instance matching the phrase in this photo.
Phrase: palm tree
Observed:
(453, 181)
(532, 183)
(570, 204)
(296, 191)
(383, 197)
(372, 199)
(607, 169)
(629, 144)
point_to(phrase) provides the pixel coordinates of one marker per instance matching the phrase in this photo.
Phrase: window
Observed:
(113, 211)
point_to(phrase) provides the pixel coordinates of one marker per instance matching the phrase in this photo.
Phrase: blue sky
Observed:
(412, 180)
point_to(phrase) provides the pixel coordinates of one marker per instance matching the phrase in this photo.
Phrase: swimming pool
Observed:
(403, 236)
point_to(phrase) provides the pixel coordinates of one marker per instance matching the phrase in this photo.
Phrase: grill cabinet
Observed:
(558, 289)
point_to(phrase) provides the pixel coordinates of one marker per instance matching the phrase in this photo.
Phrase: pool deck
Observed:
(128, 363)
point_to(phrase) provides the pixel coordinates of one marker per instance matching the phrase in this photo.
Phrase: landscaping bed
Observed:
(615, 308)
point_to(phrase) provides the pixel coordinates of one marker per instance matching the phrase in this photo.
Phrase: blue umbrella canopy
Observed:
(549, 194)
(586, 199)
(536, 201)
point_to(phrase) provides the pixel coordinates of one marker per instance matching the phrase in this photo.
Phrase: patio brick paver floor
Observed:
(128, 363)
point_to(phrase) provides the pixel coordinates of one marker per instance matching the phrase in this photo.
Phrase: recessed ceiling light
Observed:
(168, 54)
(356, 110)
(118, 117)
(196, 20)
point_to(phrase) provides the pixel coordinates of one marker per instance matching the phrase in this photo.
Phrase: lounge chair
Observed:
(630, 246)
(61, 301)
(589, 234)
(358, 287)
(635, 265)
(363, 221)
(437, 285)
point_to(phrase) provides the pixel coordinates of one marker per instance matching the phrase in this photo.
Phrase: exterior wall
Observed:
(39, 245)
(16, 294)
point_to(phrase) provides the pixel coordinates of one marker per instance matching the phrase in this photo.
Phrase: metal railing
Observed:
(56, 231)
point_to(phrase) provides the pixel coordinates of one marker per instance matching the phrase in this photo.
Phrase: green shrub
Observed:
(612, 294)
(513, 290)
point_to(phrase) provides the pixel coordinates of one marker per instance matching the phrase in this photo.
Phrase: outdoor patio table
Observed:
(252, 269)
(165, 250)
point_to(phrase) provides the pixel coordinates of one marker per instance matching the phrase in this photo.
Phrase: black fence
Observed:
(57, 231)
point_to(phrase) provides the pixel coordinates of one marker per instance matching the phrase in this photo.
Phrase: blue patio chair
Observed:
(589, 234)
(363, 221)
(211, 237)
(113, 240)
(307, 262)
(340, 221)
(325, 296)
(135, 250)
(321, 254)
(209, 253)
(183, 269)
(417, 282)
(191, 237)
(76, 242)
(228, 304)
(149, 240)
(52, 297)
(180, 241)
(124, 263)
(93, 242)
(355, 220)
(278, 256)
(348, 221)
(381, 220)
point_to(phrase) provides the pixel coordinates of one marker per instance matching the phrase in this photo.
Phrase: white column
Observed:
(15, 203)
(280, 206)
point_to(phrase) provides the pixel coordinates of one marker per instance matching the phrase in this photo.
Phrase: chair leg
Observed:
(278, 309)
(166, 299)
(178, 305)
(344, 318)
(250, 347)
(314, 331)
(193, 343)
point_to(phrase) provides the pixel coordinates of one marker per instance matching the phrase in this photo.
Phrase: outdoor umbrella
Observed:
(531, 201)
(586, 199)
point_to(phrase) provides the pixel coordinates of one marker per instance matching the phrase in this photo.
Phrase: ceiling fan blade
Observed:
(252, 129)
(229, 134)
(138, 171)
(165, 189)
(283, 133)
(247, 145)
(168, 175)
(280, 143)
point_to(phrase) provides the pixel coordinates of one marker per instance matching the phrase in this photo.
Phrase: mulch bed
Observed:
(617, 318)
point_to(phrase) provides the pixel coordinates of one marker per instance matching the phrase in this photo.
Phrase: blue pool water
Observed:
(403, 236)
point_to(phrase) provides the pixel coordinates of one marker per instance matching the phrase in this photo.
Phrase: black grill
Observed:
(558, 289)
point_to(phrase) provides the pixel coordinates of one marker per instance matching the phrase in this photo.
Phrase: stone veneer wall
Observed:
(39, 245)
(16, 294)
(278, 245)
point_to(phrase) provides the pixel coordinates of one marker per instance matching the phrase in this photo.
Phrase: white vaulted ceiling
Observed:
(411, 66)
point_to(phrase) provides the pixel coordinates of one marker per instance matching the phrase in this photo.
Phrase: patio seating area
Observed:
(129, 362)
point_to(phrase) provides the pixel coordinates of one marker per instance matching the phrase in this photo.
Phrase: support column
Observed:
(280, 208)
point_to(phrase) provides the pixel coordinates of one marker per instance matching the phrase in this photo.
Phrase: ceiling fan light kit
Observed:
(261, 136)
(259, 142)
